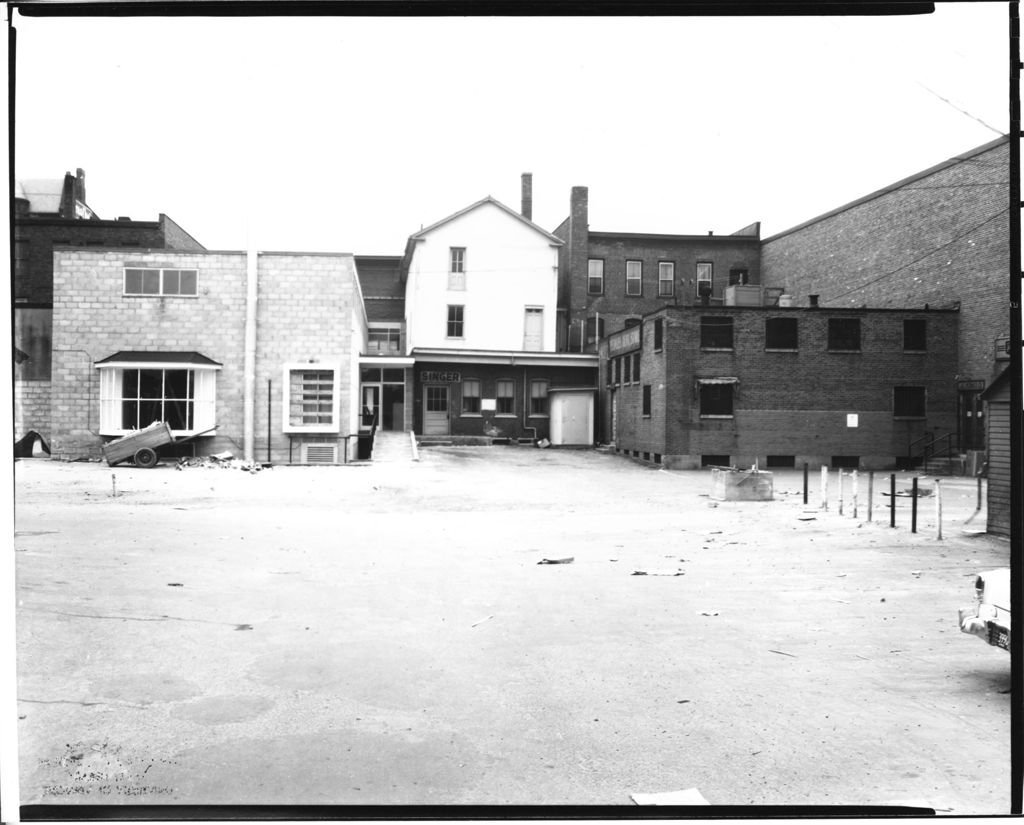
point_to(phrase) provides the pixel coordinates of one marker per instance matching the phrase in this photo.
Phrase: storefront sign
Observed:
(488, 404)
(968, 386)
(431, 377)
(851, 419)
(624, 341)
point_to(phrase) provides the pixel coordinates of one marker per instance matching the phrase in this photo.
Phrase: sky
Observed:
(350, 134)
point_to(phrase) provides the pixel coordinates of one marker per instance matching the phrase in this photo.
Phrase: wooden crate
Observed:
(154, 436)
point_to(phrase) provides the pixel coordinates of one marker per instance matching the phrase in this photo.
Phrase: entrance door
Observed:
(370, 406)
(533, 339)
(972, 421)
(435, 409)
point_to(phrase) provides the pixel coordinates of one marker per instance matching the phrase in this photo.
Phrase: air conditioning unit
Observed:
(1002, 348)
(314, 452)
(743, 295)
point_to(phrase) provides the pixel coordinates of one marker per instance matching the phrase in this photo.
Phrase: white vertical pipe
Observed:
(938, 509)
(855, 491)
(249, 364)
(840, 491)
(824, 487)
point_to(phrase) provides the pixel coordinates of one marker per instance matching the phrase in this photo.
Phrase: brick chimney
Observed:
(80, 185)
(527, 207)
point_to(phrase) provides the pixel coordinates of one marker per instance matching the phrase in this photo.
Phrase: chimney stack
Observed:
(814, 301)
(80, 185)
(527, 207)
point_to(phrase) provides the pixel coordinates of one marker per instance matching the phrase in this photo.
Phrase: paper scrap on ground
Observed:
(658, 573)
(481, 621)
(709, 613)
(567, 560)
(691, 796)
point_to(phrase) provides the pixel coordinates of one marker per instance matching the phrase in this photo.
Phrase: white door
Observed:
(435, 409)
(533, 338)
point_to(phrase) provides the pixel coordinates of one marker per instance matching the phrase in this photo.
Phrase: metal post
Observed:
(855, 493)
(871, 493)
(269, 387)
(938, 509)
(913, 507)
(824, 487)
(892, 500)
(805, 483)
(840, 491)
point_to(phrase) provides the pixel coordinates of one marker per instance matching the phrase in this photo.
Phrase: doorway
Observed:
(435, 409)
(971, 420)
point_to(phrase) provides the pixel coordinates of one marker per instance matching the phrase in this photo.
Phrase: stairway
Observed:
(391, 446)
(947, 465)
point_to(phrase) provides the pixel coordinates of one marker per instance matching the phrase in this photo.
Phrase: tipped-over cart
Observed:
(143, 445)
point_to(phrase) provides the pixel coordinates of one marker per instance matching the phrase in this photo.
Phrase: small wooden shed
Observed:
(997, 417)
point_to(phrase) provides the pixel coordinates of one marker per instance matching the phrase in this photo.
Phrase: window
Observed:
(908, 402)
(457, 267)
(618, 371)
(666, 279)
(595, 330)
(715, 332)
(471, 396)
(383, 340)
(163, 282)
(716, 400)
(627, 368)
(21, 255)
(846, 462)
(634, 277)
(658, 334)
(715, 461)
(781, 461)
(133, 397)
(456, 314)
(704, 278)
(915, 334)
(636, 368)
(505, 392)
(595, 276)
(844, 334)
(538, 398)
(647, 400)
(632, 322)
(738, 276)
(311, 397)
(780, 333)
(33, 337)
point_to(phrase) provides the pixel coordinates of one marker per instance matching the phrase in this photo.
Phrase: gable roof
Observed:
(997, 384)
(555, 241)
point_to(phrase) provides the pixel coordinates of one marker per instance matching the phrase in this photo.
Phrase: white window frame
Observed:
(527, 312)
(316, 366)
(635, 275)
(534, 384)
(161, 292)
(670, 268)
(497, 398)
(461, 321)
(204, 395)
(394, 333)
(457, 268)
(705, 274)
(598, 276)
(478, 385)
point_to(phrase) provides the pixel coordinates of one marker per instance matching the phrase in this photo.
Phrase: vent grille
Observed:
(321, 453)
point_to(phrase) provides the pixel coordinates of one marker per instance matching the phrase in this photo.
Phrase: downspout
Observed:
(526, 406)
(249, 364)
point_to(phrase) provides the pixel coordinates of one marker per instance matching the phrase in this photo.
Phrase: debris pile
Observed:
(224, 460)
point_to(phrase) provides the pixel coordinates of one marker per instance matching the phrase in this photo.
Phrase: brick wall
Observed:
(786, 403)
(31, 408)
(939, 237)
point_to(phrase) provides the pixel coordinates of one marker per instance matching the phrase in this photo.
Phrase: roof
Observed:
(892, 187)
(996, 385)
(43, 194)
(161, 357)
(552, 238)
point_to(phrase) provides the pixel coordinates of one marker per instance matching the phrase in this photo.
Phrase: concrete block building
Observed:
(939, 238)
(163, 335)
(52, 214)
(734, 385)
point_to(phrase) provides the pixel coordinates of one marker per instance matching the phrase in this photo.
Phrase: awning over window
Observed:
(721, 380)
(156, 360)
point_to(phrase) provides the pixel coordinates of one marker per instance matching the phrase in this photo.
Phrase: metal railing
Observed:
(932, 445)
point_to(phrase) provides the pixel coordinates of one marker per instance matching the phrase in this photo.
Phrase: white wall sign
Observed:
(851, 420)
(488, 404)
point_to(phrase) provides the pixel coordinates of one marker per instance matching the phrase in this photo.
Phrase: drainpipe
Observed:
(249, 365)
(526, 406)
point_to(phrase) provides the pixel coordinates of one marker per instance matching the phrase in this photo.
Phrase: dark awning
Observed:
(193, 359)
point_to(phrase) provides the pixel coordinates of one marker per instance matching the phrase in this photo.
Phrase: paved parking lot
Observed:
(384, 634)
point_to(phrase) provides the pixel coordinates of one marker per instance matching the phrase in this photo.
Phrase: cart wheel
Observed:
(145, 458)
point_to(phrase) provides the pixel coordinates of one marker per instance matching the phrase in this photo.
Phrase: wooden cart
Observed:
(142, 445)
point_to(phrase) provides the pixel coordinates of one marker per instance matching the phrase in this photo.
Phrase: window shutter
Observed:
(205, 404)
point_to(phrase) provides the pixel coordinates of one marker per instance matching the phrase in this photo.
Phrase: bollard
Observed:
(805, 482)
(938, 509)
(913, 507)
(892, 500)
(871, 493)
(840, 492)
(824, 487)
(854, 474)
(113, 484)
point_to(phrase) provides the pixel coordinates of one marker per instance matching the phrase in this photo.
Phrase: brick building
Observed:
(49, 215)
(608, 280)
(939, 238)
(144, 335)
(731, 385)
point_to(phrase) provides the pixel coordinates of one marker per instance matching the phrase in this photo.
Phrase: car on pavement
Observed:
(989, 617)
